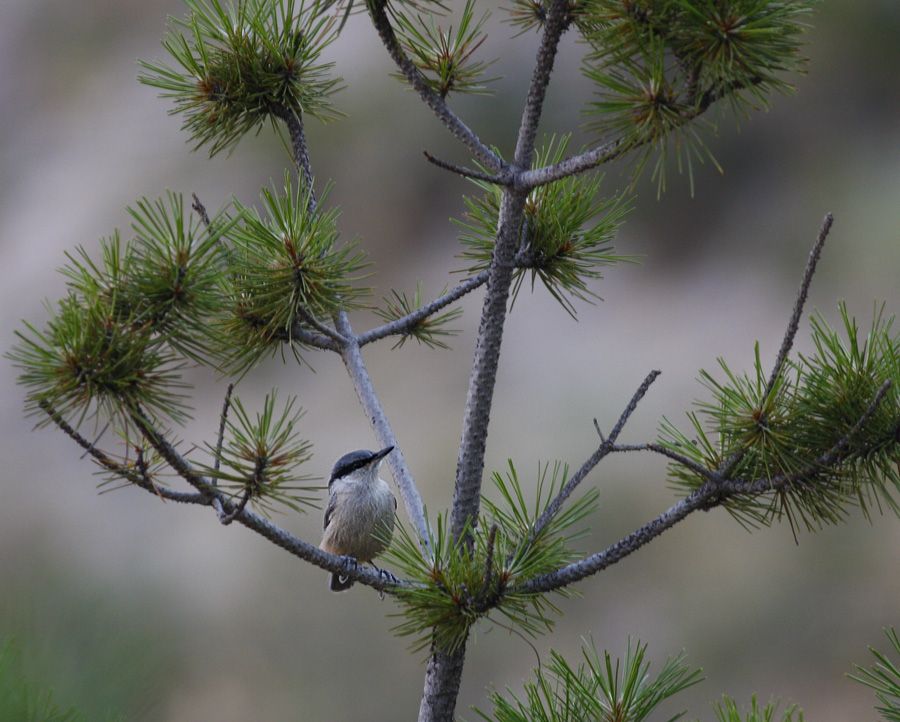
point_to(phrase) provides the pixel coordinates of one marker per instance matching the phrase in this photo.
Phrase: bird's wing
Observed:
(329, 510)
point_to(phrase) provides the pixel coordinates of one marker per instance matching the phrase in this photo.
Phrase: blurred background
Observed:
(124, 605)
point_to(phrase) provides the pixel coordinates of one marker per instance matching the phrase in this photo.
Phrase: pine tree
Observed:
(803, 441)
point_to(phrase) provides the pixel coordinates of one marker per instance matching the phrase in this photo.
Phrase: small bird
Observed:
(359, 519)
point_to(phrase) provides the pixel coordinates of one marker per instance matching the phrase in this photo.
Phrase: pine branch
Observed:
(378, 12)
(708, 496)
(408, 322)
(609, 151)
(470, 463)
(135, 476)
(790, 333)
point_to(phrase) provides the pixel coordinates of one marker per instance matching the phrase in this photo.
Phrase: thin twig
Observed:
(606, 447)
(200, 209)
(674, 456)
(378, 11)
(728, 466)
(409, 321)
(497, 179)
(802, 293)
(226, 519)
(489, 562)
(220, 440)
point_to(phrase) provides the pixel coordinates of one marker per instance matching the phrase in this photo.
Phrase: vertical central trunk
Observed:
(442, 678)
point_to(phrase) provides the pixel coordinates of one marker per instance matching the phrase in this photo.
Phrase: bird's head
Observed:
(360, 465)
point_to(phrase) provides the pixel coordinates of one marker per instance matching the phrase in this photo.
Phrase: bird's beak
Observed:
(379, 455)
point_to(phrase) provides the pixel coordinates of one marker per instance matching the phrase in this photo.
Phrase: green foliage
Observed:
(259, 457)
(460, 583)
(884, 678)
(567, 231)
(658, 64)
(237, 66)
(430, 330)
(445, 57)
(596, 690)
(800, 431)
(90, 362)
(727, 711)
(20, 701)
(114, 341)
(284, 268)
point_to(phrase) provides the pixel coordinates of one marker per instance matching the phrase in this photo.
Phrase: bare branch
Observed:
(502, 179)
(365, 392)
(408, 322)
(378, 11)
(606, 447)
(802, 293)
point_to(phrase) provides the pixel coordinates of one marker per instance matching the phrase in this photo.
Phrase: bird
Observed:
(359, 519)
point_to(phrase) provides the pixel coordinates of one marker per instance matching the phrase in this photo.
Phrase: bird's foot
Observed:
(387, 576)
(348, 564)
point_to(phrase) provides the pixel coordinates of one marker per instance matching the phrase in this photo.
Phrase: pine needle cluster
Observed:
(116, 342)
(728, 711)
(803, 436)
(566, 234)
(430, 331)
(658, 64)
(285, 269)
(237, 66)
(884, 678)
(259, 456)
(601, 689)
(460, 583)
(446, 56)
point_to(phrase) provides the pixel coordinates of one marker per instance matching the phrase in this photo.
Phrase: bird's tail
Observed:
(339, 583)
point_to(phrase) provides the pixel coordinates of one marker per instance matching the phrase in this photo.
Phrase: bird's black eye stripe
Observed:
(350, 468)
